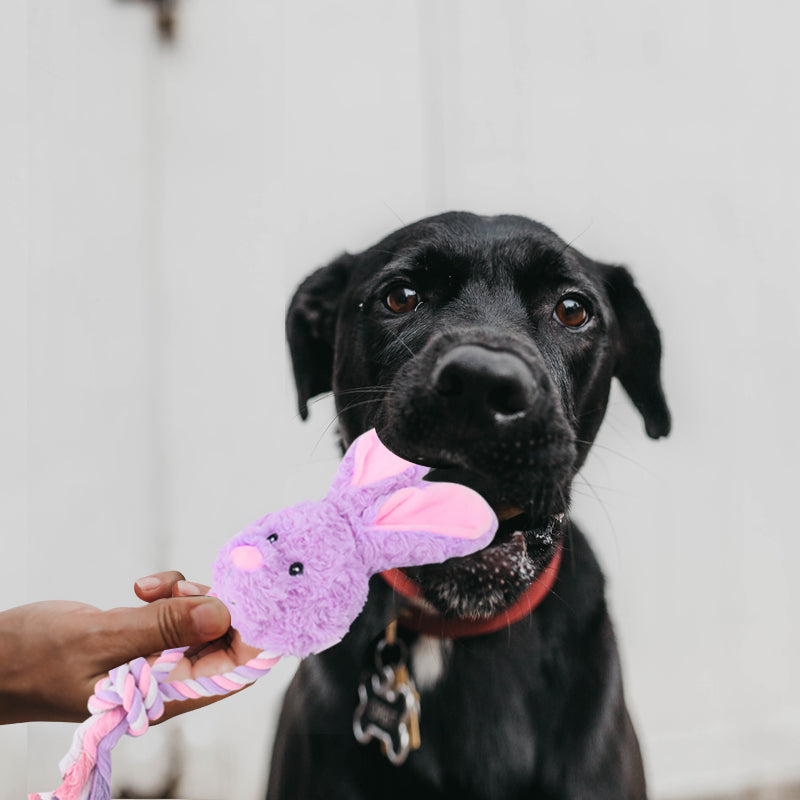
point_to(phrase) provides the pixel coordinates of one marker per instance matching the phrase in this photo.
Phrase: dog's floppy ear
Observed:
(311, 328)
(638, 357)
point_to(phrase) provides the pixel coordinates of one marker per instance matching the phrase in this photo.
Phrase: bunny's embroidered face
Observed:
(295, 580)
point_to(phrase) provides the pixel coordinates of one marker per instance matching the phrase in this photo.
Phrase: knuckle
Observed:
(169, 623)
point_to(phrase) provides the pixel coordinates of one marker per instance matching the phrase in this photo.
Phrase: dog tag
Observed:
(388, 708)
(404, 679)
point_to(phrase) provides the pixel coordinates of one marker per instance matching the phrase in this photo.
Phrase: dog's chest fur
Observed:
(429, 659)
(500, 766)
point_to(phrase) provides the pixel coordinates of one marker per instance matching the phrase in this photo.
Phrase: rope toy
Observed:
(293, 582)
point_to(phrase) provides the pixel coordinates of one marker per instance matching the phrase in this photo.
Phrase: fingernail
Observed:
(209, 618)
(148, 584)
(187, 588)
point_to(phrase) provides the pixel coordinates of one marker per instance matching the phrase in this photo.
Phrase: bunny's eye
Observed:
(272, 538)
(296, 568)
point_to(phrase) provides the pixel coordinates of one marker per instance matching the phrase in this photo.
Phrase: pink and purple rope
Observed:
(126, 701)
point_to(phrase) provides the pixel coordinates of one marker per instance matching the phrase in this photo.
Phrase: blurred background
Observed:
(160, 200)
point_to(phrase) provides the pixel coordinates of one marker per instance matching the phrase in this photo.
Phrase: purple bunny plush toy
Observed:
(294, 581)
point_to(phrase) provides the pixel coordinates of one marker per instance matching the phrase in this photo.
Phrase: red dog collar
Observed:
(415, 619)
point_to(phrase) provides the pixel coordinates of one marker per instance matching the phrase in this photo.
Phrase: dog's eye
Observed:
(272, 538)
(296, 568)
(571, 312)
(402, 299)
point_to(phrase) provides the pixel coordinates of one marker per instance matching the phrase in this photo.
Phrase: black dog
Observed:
(485, 348)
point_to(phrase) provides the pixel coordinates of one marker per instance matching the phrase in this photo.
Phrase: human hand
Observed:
(205, 659)
(52, 653)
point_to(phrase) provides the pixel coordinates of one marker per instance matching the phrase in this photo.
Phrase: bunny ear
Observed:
(428, 524)
(373, 462)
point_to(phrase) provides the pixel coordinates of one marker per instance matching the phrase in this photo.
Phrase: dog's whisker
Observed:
(620, 454)
(384, 391)
(575, 239)
(399, 218)
(336, 416)
(577, 492)
(356, 405)
(401, 342)
(565, 504)
(604, 509)
(391, 253)
(350, 407)
(611, 489)
(345, 392)
(539, 579)
(354, 390)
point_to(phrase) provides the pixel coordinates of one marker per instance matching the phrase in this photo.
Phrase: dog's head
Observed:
(485, 348)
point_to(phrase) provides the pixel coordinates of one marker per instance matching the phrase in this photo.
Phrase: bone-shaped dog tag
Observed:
(403, 678)
(388, 708)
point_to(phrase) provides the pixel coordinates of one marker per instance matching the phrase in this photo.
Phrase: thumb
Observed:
(173, 622)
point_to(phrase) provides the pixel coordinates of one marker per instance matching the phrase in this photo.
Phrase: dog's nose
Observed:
(494, 382)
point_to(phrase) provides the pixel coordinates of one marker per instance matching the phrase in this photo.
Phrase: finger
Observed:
(163, 624)
(189, 589)
(155, 586)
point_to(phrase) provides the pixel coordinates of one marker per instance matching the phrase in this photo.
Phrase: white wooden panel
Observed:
(288, 132)
(93, 523)
(13, 341)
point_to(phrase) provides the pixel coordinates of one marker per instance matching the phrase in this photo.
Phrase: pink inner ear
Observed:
(444, 508)
(373, 462)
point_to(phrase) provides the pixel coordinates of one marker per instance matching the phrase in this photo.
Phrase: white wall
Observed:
(13, 347)
(177, 194)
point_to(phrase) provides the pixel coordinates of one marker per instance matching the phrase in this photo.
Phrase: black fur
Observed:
(484, 383)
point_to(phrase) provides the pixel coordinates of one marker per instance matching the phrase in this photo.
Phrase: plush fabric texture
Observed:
(295, 580)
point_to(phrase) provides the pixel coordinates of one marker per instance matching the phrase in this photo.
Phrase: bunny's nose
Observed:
(246, 557)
